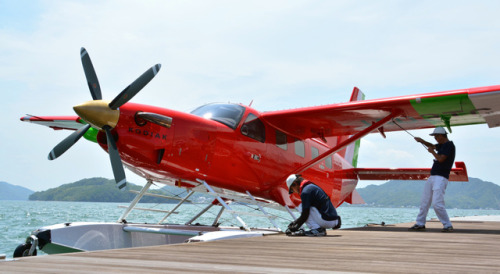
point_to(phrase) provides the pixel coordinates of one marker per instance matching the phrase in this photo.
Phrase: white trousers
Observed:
(434, 190)
(315, 221)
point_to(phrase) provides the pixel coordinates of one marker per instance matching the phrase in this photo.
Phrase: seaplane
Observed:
(235, 153)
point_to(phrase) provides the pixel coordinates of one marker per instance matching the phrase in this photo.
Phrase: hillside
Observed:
(474, 194)
(13, 192)
(101, 190)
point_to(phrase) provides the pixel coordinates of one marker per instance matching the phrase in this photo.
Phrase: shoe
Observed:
(339, 223)
(416, 227)
(447, 229)
(316, 232)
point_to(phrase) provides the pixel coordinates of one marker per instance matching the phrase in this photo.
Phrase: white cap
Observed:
(438, 130)
(290, 180)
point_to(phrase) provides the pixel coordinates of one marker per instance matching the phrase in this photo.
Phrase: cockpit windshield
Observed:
(227, 114)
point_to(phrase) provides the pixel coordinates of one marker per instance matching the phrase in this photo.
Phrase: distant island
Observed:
(13, 192)
(475, 194)
(105, 190)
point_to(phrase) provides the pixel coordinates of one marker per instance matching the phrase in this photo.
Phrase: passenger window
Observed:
(300, 148)
(254, 128)
(328, 162)
(314, 152)
(281, 140)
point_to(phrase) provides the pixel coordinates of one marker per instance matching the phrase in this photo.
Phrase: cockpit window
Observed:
(227, 114)
(254, 128)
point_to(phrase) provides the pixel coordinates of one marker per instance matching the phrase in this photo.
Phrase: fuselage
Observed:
(229, 146)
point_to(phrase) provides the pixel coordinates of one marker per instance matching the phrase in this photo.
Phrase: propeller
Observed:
(68, 142)
(116, 161)
(103, 115)
(90, 75)
(135, 87)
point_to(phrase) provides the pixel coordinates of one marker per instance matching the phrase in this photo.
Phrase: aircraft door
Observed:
(253, 137)
(193, 145)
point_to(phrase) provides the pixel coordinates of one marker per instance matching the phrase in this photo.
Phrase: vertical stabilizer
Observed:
(351, 154)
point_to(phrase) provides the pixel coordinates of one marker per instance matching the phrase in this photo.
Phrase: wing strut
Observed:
(345, 143)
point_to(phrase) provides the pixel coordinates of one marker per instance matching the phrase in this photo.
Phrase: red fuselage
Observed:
(228, 146)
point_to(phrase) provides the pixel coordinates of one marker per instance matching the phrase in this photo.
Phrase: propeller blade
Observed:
(91, 76)
(68, 142)
(116, 161)
(135, 87)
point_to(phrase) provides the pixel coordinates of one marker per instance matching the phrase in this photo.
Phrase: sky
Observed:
(278, 54)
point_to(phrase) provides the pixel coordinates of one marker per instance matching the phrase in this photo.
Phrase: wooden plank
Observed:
(472, 247)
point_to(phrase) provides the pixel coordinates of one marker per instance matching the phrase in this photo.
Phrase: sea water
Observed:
(19, 218)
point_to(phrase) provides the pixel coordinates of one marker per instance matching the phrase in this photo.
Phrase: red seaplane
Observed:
(237, 153)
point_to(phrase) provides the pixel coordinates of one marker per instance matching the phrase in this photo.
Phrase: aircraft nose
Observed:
(98, 113)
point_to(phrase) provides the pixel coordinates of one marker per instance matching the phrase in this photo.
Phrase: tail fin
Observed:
(351, 152)
(355, 198)
(357, 95)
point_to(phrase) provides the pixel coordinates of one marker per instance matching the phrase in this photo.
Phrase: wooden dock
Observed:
(472, 248)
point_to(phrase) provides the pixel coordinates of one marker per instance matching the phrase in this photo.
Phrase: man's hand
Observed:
(425, 143)
(293, 227)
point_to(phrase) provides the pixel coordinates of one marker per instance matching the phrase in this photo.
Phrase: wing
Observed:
(448, 108)
(55, 122)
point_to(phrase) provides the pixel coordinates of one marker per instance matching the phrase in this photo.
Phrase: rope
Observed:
(408, 133)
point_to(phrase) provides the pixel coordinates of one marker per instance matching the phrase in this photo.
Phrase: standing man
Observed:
(318, 211)
(435, 187)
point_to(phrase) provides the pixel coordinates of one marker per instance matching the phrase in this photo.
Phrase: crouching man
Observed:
(318, 211)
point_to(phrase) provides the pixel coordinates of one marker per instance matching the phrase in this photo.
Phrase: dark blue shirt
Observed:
(313, 195)
(444, 168)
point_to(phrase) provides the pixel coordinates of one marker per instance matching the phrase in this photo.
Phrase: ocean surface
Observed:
(19, 218)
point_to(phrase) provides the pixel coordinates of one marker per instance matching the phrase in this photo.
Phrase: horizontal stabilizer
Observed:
(459, 173)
